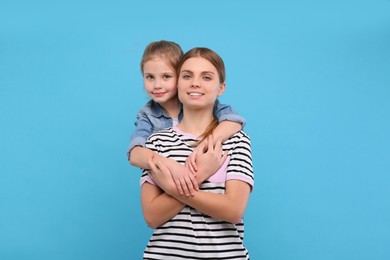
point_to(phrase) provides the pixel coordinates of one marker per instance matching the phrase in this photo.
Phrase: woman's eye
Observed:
(207, 78)
(186, 76)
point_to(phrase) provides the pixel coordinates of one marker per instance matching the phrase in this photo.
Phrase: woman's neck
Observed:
(195, 121)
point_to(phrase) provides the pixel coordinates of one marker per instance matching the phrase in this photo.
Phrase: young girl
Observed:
(158, 67)
(208, 225)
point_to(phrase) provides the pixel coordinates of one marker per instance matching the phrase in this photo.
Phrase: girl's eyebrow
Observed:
(152, 73)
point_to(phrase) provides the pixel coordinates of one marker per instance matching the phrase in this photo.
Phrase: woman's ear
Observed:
(222, 88)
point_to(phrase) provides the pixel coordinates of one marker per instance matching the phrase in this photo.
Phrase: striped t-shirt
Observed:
(192, 234)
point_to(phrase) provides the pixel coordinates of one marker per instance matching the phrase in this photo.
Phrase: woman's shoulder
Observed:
(237, 141)
(240, 135)
(165, 133)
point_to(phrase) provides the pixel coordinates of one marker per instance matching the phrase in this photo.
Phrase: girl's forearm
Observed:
(226, 129)
(139, 157)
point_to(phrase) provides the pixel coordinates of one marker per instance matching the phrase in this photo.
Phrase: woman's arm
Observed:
(158, 206)
(229, 206)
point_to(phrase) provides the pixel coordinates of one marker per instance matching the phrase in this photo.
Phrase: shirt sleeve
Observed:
(145, 172)
(143, 129)
(240, 165)
(225, 112)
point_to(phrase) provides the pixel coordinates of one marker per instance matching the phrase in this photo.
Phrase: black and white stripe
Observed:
(191, 234)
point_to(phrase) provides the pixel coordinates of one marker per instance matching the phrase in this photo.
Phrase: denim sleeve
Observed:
(225, 112)
(143, 129)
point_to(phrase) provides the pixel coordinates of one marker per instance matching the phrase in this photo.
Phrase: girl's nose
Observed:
(157, 84)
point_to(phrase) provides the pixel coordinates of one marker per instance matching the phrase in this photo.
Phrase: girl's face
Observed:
(160, 81)
(199, 84)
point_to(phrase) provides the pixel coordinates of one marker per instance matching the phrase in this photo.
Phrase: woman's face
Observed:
(199, 84)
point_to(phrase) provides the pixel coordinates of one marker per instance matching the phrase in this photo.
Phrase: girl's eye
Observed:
(149, 77)
(167, 77)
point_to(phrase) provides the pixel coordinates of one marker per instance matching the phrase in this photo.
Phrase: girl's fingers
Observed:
(210, 143)
(152, 166)
(224, 156)
(218, 145)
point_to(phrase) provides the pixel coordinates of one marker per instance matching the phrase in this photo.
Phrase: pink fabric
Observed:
(220, 175)
(147, 179)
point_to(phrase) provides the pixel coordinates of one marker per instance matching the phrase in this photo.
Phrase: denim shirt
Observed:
(152, 117)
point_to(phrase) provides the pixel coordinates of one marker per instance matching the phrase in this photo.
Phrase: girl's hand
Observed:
(161, 175)
(210, 159)
(185, 181)
(191, 160)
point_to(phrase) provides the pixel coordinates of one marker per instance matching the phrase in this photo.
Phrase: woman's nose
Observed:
(195, 83)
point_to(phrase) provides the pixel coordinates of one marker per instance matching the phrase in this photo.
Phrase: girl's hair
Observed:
(218, 63)
(170, 52)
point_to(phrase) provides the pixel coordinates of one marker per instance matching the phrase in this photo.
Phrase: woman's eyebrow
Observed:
(187, 71)
(207, 72)
(203, 72)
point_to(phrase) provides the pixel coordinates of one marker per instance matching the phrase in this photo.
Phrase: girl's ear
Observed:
(221, 89)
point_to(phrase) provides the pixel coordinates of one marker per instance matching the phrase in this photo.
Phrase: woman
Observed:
(208, 225)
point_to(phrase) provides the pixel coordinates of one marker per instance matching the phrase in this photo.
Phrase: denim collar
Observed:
(159, 111)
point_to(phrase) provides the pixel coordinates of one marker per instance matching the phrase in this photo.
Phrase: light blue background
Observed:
(312, 79)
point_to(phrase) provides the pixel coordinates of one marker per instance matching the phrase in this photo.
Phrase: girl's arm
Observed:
(229, 123)
(159, 207)
(139, 156)
(225, 130)
(226, 113)
(185, 181)
(229, 206)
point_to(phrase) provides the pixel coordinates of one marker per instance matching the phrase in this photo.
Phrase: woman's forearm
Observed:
(158, 207)
(229, 207)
